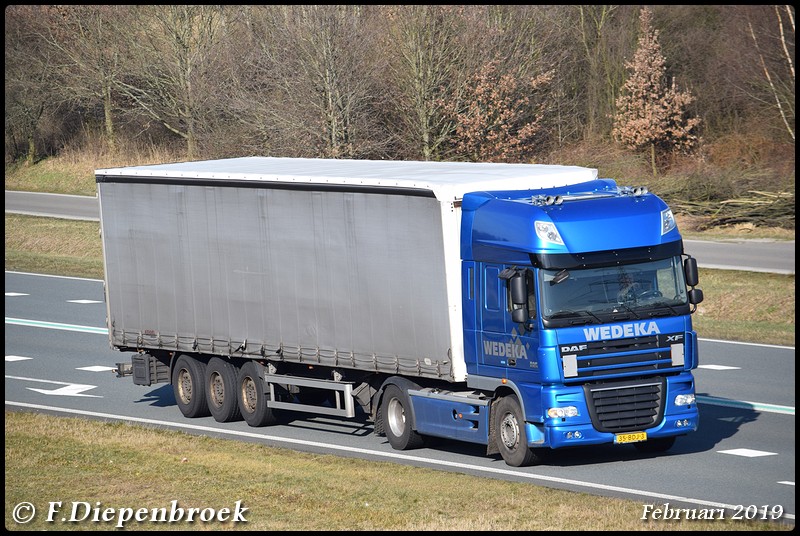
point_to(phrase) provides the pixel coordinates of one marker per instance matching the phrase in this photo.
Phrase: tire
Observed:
(660, 444)
(396, 413)
(221, 391)
(188, 385)
(252, 397)
(512, 437)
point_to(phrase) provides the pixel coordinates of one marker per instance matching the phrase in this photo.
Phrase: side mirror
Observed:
(519, 315)
(695, 296)
(690, 272)
(519, 289)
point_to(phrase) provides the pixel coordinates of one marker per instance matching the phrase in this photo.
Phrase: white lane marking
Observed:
(56, 325)
(15, 294)
(748, 453)
(55, 276)
(10, 358)
(787, 482)
(377, 454)
(718, 367)
(747, 343)
(745, 404)
(68, 389)
(83, 302)
(96, 368)
(74, 389)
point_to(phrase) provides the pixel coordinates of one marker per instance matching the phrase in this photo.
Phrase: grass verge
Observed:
(125, 466)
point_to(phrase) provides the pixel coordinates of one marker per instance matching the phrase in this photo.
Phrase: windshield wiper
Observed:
(662, 309)
(631, 311)
(565, 313)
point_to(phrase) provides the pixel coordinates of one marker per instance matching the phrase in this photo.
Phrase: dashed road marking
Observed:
(96, 368)
(10, 358)
(748, 453)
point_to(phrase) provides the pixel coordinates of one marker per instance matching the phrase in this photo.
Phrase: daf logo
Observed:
(574, 348)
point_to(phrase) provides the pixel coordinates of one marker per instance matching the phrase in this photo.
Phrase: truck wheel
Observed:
(221, 390)
(252, 397)
(188, 385)
(397, 423)
(659, 444)
(512, 439)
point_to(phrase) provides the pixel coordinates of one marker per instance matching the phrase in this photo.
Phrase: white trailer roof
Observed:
(447, 180)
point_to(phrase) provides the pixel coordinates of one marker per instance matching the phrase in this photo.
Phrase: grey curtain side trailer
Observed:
(346, 263)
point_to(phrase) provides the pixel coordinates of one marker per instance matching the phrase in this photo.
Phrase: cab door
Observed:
(503, 342)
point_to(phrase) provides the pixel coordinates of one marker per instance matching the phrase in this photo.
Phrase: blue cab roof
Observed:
(595, 216)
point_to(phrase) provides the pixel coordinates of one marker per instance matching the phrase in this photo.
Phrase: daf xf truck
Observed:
(518, 306)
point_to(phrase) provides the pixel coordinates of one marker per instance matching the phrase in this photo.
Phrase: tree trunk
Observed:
(653, 158)
(30, 158)
(109, 120)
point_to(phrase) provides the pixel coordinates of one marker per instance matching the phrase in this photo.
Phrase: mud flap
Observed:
(491, 447)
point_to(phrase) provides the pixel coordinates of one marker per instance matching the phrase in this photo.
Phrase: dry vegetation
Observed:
(120, 465)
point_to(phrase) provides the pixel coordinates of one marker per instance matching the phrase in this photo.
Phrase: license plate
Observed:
(633, 437)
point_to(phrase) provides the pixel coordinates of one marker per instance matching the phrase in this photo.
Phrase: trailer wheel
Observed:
(221, 390)
(512, 439)
(396, 408)
(252, 397)
(188, 385)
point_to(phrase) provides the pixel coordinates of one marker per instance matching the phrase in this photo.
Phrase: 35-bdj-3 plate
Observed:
(632, 437)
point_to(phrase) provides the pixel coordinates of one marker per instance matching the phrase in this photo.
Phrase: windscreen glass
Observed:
(598, 295)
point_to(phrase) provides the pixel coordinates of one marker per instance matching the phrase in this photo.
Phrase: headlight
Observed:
(684, 400)
(547, 231)
(561, 413)
(667, 221)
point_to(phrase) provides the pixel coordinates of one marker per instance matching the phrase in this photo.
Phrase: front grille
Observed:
(638, 356)
(626, 406)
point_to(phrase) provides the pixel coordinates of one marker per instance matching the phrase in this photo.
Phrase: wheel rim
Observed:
(185, 386)
(396, 416)
(249, 395)
(509, 431)
(217, 389)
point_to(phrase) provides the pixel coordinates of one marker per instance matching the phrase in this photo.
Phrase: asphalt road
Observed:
(734, 254)
(58, 361)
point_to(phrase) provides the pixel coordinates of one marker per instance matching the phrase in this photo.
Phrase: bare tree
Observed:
(171, 70)
(605, 34)
(426, 66)
(782, 82)
(650, 112)
(86, 40)
(311, 74)
(29, 68)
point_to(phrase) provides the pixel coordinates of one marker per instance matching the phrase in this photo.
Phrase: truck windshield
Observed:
(599, 295)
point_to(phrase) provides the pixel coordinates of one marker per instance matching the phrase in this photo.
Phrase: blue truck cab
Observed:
(576, 305)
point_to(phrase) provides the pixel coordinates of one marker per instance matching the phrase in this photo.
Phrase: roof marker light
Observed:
(667, 221)
(547, 232)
